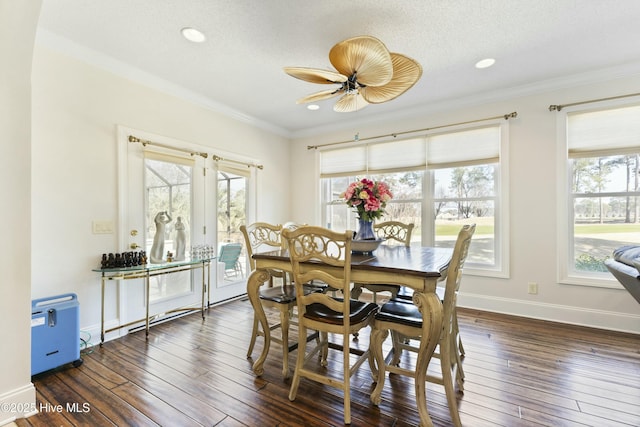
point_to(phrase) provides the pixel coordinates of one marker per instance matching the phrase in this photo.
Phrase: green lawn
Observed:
(606, 228)
(452, 229)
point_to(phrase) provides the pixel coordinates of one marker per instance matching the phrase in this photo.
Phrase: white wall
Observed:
(533, 207)
(17, 33)
(76, 108)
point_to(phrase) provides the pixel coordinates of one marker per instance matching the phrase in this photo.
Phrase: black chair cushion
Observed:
(407, 293)
(359, 312)
(400, 311)
(285, 294)
(319, 286)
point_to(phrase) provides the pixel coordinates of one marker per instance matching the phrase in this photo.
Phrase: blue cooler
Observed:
(55, 332)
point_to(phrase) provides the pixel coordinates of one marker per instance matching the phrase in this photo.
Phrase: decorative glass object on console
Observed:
(202, 252)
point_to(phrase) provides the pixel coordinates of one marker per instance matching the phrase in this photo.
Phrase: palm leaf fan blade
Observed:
(349, 103)
(366, 57)
(315, 75)
(319, 96)
(406, 72)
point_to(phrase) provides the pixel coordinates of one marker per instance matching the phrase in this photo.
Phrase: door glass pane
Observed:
(168, 189)
(232, 202)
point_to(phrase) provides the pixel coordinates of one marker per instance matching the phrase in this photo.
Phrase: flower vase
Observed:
(365, 230)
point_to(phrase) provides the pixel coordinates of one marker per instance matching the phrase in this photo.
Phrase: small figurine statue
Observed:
(181, 240)
(157, 249)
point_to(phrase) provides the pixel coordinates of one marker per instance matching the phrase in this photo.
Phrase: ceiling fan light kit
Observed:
(367, 73)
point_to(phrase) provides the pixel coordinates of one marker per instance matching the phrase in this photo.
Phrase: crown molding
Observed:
(102, 61)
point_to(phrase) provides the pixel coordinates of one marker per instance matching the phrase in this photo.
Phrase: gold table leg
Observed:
(147, 280)
(102, 313)
(255, 280)
(431, 309)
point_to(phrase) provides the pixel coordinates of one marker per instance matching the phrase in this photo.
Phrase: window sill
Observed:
(604, 282)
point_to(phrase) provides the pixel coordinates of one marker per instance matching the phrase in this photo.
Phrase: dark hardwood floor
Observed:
(519, 372)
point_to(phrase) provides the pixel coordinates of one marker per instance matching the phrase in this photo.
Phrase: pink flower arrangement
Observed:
(369, 198)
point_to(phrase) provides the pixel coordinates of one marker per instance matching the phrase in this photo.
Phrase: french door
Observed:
(235, 205)
(165, 190)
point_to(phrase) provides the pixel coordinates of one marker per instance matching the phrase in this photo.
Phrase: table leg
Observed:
(147, 279)
(356, 291)
(377, 338)
(208, 284)
(284, 321)
(203, 289)
(431, 309)
(255, 280)
(102, 313)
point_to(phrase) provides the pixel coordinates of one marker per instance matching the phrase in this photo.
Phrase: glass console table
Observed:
(146, 272)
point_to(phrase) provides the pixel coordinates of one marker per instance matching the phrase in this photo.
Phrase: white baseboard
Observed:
(609, 320)
(20, 403)
(91, 333)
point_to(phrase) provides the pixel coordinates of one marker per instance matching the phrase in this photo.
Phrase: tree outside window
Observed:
(462, 195)
(605, 193)
(603, 184)
(466, 195)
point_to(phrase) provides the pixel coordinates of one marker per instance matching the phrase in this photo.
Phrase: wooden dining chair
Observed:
(279, 294)
(405, 321)
(407, 294)
(394, 233)
(321, 254)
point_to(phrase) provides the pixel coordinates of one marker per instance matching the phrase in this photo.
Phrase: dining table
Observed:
(416, 267)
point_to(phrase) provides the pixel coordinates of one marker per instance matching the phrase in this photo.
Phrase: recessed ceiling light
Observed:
(313, 107)
(485, 63)
(193, 35)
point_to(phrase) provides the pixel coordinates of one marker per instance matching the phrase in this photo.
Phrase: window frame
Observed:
(501, 198)
(566, 274)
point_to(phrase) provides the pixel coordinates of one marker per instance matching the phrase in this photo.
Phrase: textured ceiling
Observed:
(239, 68)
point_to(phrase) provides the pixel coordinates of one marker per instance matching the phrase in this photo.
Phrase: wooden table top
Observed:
(423, 261)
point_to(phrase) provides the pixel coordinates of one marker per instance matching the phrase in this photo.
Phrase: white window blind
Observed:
(342, 161)
(461, 148)
(604, 132)
(169, 158)
(390, 156)
(452, 149)
(398, 155)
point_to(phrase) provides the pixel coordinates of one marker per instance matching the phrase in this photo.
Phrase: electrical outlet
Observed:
(533, 288)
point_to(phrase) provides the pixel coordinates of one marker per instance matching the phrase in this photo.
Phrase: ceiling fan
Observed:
(367, 73)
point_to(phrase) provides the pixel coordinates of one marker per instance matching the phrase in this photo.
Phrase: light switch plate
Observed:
(102, 227)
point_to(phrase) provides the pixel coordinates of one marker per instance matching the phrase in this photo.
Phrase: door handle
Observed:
(134, 246)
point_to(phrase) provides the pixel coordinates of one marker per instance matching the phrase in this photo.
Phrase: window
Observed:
(466, 195)
(465, 174)
(603, 183)
(406, 205)
(440, 182)
(168, 189)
